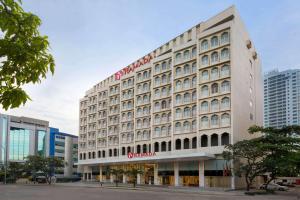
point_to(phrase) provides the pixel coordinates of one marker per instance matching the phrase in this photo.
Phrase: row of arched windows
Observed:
(143, 123)
(127, 94)
(162, 92)
(114, 89)
(127, 126)
(187, 97)
(215, 105)
(142, 111)
(114, 140)
(186, 55)
(143, 75)
(215, 121)
(215, 57)
(143, 135)
(143, 99)
(186, 84)
(215, 89)
(145, 87)
(163, 79)
(126, 138)
(214, 41)
(214, 73)
(102, 95)
(163, 66)
(186, 70)
(127, 105)
(164, 104)
(127, 116)
(185, 127)
(186, 112)
(113, 130)
(213, 140)
(128, 83)
(114, 100)
(162, 131)
(162, 118)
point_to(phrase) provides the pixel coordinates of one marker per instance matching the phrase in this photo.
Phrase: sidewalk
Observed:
(179, 189)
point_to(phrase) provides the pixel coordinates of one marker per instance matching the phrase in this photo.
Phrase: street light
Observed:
(5, 163)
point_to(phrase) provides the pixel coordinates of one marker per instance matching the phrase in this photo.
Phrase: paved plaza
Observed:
(71, 192)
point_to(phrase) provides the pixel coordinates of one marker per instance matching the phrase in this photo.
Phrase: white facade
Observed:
(184, 101)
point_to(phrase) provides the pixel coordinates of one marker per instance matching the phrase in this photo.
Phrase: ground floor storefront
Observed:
(192, 173)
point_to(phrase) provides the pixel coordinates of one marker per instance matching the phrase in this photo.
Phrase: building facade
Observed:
(21, 137)
(65, 147)
(171, 112)
(282, 98)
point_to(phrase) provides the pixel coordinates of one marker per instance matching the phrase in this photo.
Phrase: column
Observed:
(124, 178)
(111, 178)
(176, 173)
(100, 174)
(201, 174)
(138, 180)
(156, 174)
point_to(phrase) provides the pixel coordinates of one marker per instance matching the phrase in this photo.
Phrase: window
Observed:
(157, 131)
(178, 57)
(204, 75)
(225, 119)
(157, 68)
(194, 52)
(186, 83)
(224, 54)
(225, 70)
(214, 73)
(164, 79)
(187, 112)
(178, 113)
(214, 140)
(225, 103)
(224, 38)
(157, 80)
(187, 98)
(204, 91)
(164, 66)
(178, 71)
(164, 91)
(178, 99)
(186, 69)
(163, 146)
(186, 143)
(214, 57)
(145, 74)
(178, 85)
(145, 87)
(178, 144)
(224, 139)
(204, 106)
(156, 106)
(178, 127)
(214, 41)
(214, 120)
(214, 105)
(204, 122)
(194, 81)
(194, 110)
(194, 67)
(204, 45)
(204, 141)
(157, 93)
(194, 96)
(214, 88)
(186, 54)
(225, 87)
(204, 60)
(163, 104)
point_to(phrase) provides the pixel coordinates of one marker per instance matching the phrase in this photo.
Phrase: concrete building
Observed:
(21, 137)
(65, 147)
(171, 112)
(282, 98)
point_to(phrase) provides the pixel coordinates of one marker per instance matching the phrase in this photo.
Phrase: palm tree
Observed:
(116, 173)
(133, 174)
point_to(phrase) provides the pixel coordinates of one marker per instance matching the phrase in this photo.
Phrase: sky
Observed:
(92, 39)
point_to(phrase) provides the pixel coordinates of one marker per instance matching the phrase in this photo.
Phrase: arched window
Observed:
(163, 104)
(194, 67)
(145, 87)
(123, 151)
(225, 70)
(186, 126)
(214, 120)
(225, 103)
(178, 57)
(169, 146)
(204, 45)
(178, 144)
(187, 97)
(157, 106)
(139, 123)
(194, 81)
(145, 110)
(225, 119)
(164, 79)
(145, 123)
(204, 91)
(164, 91)
(194, 52)
(204, 141)
(214, 105)
(164, 117)
(187, 112)
(214, 57)
(178, 85)
(204, 60)
(177, 127)
(163, 146)
(156, 147)
(157, 131)
(139, 111)
(145, 99)
(138, 148)
(186, 143)
(204, 106)
(214, 73)
(204, 75)
(194, 143)
(194, 125)
(145, 135)
(139, 76)
(194, 110)
(225, 87)
(157, 93)
(214, 41)
(178, 99)
(169, 64)
(164, 130)
(194, 96)
(224, 38)
(186, 83)
(214, 140)
(164, 66)
(178, 71)
(178, 113)
(110, 152)
(157, 68)
(204, 122)
(144, 148)
(224, 139)
(214, 88)
(224, 54)
(145, 74)
(128, 149)
(186, 54)
(186, 69)
(157, 80)
(156, 119)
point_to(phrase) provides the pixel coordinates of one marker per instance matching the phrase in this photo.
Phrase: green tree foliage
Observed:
(117, 173)
(41, 165)
(133, 174)
(24, 56)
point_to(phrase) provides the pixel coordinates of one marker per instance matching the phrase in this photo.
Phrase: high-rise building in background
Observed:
(171, 112)
(282, 98)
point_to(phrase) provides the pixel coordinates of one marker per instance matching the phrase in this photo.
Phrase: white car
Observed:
(274, 186)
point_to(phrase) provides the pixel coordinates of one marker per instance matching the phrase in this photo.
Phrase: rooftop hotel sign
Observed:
(140, 155)
(133, 66)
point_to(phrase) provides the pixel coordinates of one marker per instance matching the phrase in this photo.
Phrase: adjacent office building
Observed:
(282, 98)
(65, 147)
(171, 112)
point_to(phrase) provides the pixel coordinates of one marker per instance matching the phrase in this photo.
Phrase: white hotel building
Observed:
(184, 101)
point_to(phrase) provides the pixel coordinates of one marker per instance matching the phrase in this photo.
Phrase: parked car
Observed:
(273, 186)
(288, 184)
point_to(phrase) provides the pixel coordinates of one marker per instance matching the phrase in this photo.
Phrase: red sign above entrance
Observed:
(140, 155)
(132, 67)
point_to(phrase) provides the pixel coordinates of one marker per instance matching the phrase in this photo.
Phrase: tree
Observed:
(15, 170)
(133, 174)
(38, 164)
(24, 56)
(117, 173)
(248, 159)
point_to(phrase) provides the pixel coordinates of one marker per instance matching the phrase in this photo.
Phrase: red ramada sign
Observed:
(140, 155)
(132, 67)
